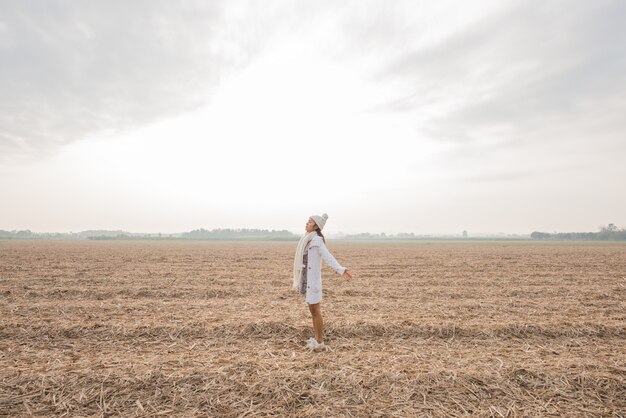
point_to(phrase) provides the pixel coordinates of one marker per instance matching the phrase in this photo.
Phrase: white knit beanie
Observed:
(320, 220)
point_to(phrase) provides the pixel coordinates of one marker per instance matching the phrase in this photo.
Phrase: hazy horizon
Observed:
(503, 117)
(327, 233)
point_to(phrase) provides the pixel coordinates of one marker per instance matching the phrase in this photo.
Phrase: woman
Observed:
(307, 273)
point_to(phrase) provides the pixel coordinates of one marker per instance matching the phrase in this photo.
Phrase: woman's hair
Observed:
(319, 232)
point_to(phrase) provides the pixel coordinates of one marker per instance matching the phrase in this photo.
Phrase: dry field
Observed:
(147, 328)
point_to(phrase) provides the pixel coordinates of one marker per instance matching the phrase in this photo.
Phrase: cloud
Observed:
(71, 69)
(481, 77)
(517, 70)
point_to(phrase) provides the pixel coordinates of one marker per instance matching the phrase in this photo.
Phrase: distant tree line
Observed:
(606, 233)
(382, 235)
(28, 234)
(227, 233)
(101, 234)
(90, 234)
(410, 236)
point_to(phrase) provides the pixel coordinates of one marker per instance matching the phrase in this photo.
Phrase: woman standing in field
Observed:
(307, 273)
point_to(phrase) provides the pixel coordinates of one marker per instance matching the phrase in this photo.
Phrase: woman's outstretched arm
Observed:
(330, 260)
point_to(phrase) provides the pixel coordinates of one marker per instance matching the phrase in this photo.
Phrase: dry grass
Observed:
(204, 328)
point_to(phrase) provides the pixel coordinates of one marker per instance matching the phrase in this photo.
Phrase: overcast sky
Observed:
(403, 116)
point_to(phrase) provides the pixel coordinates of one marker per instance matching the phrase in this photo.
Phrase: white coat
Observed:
(317, 250)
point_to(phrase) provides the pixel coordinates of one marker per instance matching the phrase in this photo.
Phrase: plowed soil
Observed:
(146, 328)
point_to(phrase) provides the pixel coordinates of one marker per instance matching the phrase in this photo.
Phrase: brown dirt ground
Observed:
(145, 328)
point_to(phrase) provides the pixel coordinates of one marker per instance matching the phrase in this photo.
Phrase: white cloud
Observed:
(70, 70)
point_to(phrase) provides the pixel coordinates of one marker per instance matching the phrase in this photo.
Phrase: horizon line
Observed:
(336, 233)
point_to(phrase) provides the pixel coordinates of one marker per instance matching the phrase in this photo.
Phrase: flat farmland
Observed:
(201, 328)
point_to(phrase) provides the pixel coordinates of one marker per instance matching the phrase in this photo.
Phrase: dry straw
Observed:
(213, 329)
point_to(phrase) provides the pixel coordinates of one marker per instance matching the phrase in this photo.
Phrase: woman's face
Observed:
(311, 225)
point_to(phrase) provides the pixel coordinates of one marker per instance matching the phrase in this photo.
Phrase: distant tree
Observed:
(540, 235)
(606, 233)
(609, 228)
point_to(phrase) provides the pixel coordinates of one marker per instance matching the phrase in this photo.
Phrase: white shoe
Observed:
(312, 343)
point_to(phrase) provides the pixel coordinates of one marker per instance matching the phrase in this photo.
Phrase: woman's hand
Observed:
(347, 275)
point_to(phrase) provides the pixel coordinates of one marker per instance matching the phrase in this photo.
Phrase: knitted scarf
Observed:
(297, 261)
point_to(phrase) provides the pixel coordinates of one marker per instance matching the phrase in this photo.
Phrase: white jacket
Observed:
(317, 251)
